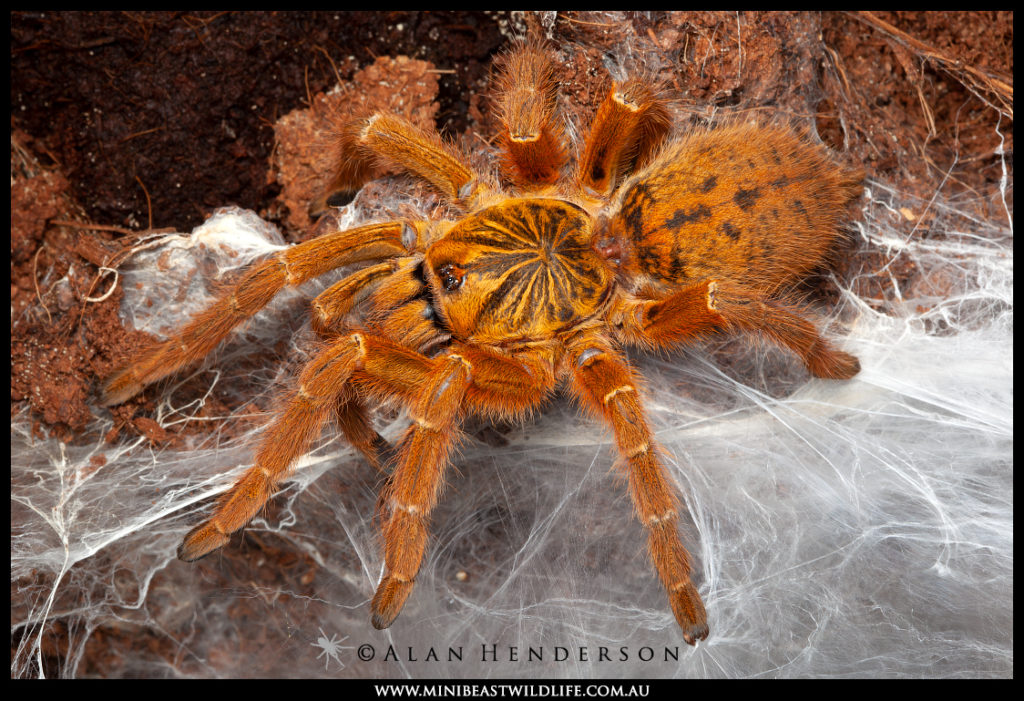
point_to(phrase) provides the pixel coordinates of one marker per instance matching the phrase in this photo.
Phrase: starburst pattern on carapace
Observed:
(536, 259)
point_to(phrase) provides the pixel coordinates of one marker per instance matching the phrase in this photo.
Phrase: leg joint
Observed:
(626, 102)
(712, 295)
(618, 390)
(289, 277)
(424, 425)
(657, 519)
(410, 509)
(459, 358)
(588, 355)
(639, 451)
(360, 342)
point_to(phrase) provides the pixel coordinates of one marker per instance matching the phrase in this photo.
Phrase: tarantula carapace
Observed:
(647, 238)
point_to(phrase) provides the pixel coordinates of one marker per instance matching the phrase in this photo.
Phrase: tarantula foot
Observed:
(329, 199)
(389, 600)
(200, 542)
(120, 387)
(831, 364)
(689, 612)
(696, 632)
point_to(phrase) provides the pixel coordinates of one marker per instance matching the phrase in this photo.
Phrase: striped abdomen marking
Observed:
(523, 269)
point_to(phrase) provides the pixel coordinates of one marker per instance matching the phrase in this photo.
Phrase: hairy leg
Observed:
(354, 421)
(531, 135)
(629, 126)
(605, 385)
(323, 382)
(254, 291)
(465, 378)
(436, 390)
(368, 143)
(416, 484)
(709, 306)
(332, 305)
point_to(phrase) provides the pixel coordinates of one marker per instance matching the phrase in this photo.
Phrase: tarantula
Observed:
(644, 239)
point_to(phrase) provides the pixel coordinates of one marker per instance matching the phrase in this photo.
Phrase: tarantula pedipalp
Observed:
(650, 240)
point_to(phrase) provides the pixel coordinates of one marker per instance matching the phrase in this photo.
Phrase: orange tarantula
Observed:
(644, 239)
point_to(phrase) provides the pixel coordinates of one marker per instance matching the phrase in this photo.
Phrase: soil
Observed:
(126, 123)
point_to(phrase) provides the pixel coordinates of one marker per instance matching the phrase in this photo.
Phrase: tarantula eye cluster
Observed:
(651, 239)
(451, 276)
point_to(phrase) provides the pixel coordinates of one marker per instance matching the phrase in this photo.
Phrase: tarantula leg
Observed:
(786, 327)
(710, 305)
(354, 422)
(666, 322)
(290, 267)
(504, 388)
(629, 126)
(391, 139)
(530, 135)
(321, 383)
(400, 303)
(331, 305)
(352, 168)
(437, 390)
(325, 383)
(605, 385)
(416, 483)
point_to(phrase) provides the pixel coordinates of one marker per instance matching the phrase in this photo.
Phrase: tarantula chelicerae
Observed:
(648, 240)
